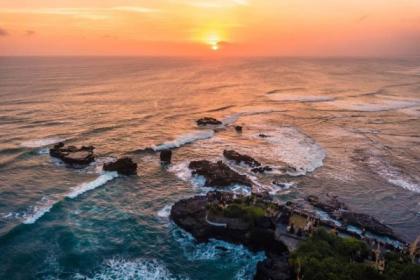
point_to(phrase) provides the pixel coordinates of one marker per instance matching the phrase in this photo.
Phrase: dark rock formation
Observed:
(234, 224)
(274, 267)
(239, 158)
(262, 135)
(166, 156)
(329, 205)
(124, 166)
(238, 128)
(262, 169)
(218, 174)
(367, 222)
(208, 121)
(195, 216)
(73, 155)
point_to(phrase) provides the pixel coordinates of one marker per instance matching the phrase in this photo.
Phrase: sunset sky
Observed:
(210, 27)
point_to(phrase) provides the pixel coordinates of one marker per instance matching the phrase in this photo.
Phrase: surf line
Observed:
(75, 192)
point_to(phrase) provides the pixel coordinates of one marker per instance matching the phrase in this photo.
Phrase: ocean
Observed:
(350, 127)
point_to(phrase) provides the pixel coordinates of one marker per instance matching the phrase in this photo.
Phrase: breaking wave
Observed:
(144, 269)
(293, 147)
(184, 139)
(165, 212)
(216, 250)
(393, 174)
(300, 98)
(41, 142)
(34, 213)
(101, 180)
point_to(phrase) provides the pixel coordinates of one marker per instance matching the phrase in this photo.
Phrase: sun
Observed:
(213, 40)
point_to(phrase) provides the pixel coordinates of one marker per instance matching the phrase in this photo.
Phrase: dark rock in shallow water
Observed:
(262, 169)
(367, 222)
(274, 267)
(208, 121)
(124, 166)
(166, 156)
(218, 174)
(262, 135)
(239, 158)
(238, 128)
(328, 205)
(73, 155)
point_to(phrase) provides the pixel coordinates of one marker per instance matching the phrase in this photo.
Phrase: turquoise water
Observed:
(349, 126)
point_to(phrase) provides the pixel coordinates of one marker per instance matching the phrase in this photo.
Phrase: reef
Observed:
(124, 166)
(73, 155)
(208, 121)
(218, 174)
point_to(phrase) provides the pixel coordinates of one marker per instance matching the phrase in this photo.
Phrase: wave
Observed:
(290, 146)
(41, 142)
(234, 117)
(119, 268)
(34, 213)
(375, 105)
(38, 211)
(101, 180)
(182, 171)
(300, 98)
(185, 139)
(165, 212)
(217, 250)
(393, 174)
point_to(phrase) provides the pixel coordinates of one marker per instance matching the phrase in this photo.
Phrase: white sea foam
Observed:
(393, 174)
(374, 105)
(299, 98)
(212, 250)
(185, 139)
(234, 117)
(293, 147)
(38, 211)
(34, 213)
(41, 142)
(144, 269)
(182, 171)
(101, 180)
(285, 188)
(165, 212)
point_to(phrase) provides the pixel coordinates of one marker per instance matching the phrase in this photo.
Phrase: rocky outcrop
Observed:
(262, 169)
(208, 121)
(218, 174)
(124, 166)
(274, 267)
(73, 155)
(233, 219)
(367, 222)
(262, 135)
(329, 205)
(166, 156)
(240, 158)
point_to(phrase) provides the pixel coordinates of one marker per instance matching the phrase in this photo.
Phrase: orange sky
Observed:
(210, 27)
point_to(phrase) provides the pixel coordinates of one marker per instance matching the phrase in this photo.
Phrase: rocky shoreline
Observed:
(255, 221)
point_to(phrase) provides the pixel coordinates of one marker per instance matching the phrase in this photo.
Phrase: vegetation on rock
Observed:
(329, 257)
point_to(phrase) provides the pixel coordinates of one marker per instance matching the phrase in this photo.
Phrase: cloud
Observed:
(362, 18)
(83, 13)
(216, 3)
(3, 32)
(135, 9)
(29, 33)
